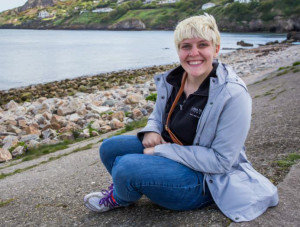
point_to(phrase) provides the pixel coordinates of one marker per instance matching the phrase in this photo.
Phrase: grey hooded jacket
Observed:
(218, 151)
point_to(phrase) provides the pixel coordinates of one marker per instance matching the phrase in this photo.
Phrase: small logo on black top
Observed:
(196, 112)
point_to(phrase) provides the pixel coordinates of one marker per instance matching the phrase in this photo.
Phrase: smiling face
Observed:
(196, 56)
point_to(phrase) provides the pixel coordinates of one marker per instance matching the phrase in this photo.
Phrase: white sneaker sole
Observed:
(89, 205)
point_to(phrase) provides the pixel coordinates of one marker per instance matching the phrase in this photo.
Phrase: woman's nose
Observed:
(194, 51)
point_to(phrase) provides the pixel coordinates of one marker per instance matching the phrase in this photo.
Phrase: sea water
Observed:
(38, 56)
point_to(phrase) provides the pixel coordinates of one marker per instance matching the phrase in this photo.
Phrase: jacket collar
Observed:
(226, 74)
(175, 77)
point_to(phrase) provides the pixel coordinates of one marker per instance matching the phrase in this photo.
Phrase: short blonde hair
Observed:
(203, 26)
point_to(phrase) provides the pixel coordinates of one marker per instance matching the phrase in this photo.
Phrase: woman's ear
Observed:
(217, 51)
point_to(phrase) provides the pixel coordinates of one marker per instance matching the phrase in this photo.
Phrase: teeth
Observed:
(195, 62)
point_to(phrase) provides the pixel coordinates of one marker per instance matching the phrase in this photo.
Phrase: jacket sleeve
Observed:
(155, 120)
(154, 123)
(231, 132)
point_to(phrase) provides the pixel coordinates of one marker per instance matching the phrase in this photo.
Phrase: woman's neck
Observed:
(192, 84)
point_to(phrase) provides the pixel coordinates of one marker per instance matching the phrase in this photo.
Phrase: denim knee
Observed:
(109, 147)
(118, 146)
(104, 150)
(125, 176)
(126, 168)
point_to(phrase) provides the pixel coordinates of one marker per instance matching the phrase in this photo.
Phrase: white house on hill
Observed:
(102, 10)
(243, 1)
(44, 14)
(167, 1)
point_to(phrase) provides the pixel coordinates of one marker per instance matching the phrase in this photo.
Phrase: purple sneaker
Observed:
(101, 201)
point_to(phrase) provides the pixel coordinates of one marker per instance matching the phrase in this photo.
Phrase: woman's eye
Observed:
(203, 45)
(185, 47)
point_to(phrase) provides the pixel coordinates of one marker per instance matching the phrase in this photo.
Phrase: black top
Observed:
(186, 114)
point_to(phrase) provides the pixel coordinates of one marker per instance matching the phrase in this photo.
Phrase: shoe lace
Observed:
(107, 200)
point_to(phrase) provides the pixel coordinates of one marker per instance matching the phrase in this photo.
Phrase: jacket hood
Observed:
(226, 74)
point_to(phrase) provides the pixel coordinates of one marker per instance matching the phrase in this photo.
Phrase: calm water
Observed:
(38, 56)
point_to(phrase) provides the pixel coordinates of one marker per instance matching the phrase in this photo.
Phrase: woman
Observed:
(192, 151)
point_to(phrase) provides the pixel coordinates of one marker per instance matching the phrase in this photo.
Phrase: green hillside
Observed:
(263, 15)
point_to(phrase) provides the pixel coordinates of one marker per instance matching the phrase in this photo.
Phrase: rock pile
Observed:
(293, 35)
(244, 44)
(49, 121)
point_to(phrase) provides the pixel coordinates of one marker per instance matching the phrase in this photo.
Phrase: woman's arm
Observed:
(231, 133)
(155, 119)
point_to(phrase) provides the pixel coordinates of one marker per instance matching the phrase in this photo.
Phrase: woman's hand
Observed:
(149, 151)
(151, 139)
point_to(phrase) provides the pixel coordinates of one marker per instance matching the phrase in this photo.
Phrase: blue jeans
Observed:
(164, 181)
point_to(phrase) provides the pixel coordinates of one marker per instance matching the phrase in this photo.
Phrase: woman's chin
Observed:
(196, 74)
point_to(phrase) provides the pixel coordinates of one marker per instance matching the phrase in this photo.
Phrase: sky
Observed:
(10, 4)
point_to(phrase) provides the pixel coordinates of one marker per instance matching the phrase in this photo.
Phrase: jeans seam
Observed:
(165, 186)
(205, 203)
(135, 188)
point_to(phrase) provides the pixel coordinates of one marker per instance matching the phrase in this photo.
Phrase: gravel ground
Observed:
(51, 194)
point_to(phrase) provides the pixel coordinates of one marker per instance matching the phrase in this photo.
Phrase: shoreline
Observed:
(121, 71)
(86, 84)
(242, 60)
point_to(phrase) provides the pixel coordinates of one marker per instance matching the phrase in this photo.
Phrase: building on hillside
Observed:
(167, 1)
(207, 5)
(243, 1)
(102, 10)
(83, 11)
(44, 14)
(148, 1)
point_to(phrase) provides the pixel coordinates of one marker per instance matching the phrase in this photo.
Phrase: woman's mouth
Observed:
(195, 62)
